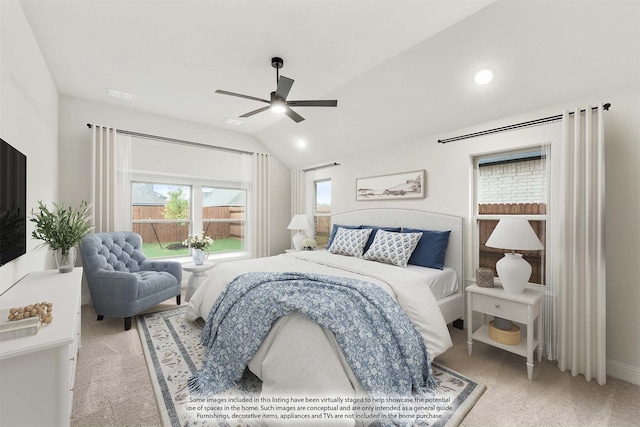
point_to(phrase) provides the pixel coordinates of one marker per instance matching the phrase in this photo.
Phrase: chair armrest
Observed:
(112, 288)
(173, 267)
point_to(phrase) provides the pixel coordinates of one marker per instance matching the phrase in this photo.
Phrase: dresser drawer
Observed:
(511, 310)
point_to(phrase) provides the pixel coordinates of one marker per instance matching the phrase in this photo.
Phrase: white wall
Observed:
(29, 122)
(448, 189)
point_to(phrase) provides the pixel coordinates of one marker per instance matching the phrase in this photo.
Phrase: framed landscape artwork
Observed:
(406, 185)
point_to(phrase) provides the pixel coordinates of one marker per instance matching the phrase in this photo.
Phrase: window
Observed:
(322, 212)
(224, 218)
(511, 183)
(178, 190)
(164, 215)
(161, 214)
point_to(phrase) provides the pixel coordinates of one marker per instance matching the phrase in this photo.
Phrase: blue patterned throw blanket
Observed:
(379, 341)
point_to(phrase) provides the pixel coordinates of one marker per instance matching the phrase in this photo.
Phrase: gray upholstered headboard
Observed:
(391, 217)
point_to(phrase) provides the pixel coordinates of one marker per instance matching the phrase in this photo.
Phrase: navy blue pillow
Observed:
(374, 229)
(335, 228)
(431, 248)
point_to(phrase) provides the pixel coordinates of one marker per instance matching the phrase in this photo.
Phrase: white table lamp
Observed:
(299, 222)
(514, 234)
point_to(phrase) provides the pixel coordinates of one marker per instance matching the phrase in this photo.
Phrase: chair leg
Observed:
(127, 323)
(178, 300)
(100, 317)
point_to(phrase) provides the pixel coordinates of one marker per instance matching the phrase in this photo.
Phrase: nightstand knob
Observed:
(497, 305)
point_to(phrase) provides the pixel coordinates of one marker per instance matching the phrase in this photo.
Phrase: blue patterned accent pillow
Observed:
(431, 249)
(392, 248)
(374, 230)
(349, 242)
(335, 229)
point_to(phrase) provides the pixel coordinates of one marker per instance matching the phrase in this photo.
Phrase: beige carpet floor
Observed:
(113, 388)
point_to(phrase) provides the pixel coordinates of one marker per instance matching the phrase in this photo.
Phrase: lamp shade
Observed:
(514, 234)
(299, 222)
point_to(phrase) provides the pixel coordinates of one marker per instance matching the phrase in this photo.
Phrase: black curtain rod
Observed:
(514, 126)
(328, 165)
(178, 141)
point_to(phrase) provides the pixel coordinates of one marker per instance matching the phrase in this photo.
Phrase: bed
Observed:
(300, 357)
(452, 305)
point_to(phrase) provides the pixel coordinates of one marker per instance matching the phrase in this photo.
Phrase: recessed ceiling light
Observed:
(302, 143)
(233, 122)
(484, 76)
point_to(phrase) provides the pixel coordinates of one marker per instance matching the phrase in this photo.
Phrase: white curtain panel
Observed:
(577, 259)
(260, 209)
(110, 179)
(297, 192)
(298, 201)
(549, 302)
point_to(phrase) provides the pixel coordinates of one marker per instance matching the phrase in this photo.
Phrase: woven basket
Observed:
(484, 277)
(511, 337)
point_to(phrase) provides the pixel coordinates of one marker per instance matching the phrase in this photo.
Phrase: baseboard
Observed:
(624, 372)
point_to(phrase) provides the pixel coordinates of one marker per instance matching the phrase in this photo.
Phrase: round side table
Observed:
(198, 274)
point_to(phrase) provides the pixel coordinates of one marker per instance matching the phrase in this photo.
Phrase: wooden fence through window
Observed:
(178, 232)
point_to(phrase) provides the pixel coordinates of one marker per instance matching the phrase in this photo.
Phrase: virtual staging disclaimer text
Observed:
(318, 408)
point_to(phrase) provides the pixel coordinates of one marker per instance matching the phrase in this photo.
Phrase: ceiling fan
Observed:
(278, 101)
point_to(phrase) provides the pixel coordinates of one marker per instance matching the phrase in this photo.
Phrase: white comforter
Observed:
(298, 356)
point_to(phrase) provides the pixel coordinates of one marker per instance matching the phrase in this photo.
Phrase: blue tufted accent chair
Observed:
(121, 280)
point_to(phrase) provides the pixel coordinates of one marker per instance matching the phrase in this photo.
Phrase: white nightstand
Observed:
(198, 274)
(524, 308)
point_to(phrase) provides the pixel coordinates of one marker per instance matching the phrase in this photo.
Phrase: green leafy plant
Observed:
(177, 207)
(61, 227)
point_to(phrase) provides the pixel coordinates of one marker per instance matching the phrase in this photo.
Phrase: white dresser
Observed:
(37, 373)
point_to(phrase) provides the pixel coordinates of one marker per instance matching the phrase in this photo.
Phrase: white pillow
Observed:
(392, 248)
(349, 242)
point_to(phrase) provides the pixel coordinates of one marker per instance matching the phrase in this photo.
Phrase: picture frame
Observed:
(397, 186)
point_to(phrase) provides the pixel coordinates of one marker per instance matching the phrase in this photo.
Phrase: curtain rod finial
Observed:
(606, 106)
(89, 125)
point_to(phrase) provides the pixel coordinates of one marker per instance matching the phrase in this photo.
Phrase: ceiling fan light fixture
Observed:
(278, 101)
(278, 106)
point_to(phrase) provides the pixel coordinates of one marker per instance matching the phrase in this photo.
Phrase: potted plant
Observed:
(61, 229)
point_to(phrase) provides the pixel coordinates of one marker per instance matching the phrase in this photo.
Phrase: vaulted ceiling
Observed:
(399, 69)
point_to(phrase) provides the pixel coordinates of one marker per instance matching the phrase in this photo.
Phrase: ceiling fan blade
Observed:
(239, 95)
(284, 86)
(316, 103)
(293, 115)
(259, 110)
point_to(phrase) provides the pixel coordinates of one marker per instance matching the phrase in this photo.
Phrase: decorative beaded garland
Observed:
(43, 309)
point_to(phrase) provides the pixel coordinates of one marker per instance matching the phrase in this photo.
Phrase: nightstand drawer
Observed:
(511, 310)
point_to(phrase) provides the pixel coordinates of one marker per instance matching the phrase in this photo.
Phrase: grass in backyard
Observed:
(153, 250)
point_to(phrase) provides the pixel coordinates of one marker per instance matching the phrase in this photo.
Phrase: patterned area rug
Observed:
(173, 352)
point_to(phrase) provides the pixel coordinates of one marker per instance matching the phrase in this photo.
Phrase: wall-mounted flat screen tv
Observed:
(13, 203)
